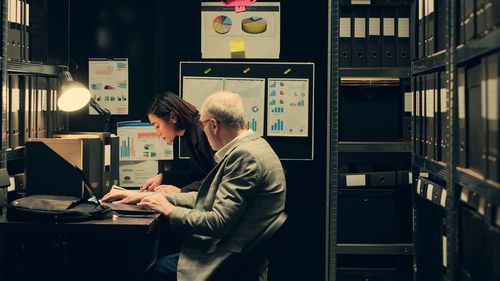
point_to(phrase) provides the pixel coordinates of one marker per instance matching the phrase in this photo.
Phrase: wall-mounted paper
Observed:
(135, 173)
(288, 107)
(138, 141)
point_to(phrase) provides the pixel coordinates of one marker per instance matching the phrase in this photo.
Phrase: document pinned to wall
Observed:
(288, 107)
(138, 141)
(254, 33)
(109, 84)
(135, 173)
(251, 90)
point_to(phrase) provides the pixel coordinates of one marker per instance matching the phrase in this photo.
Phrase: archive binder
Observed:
(429, 113)
(403, 41)
(14, 111)
(345, 59)
(462, 117)
(418, 115)
(421, 29)
(443, 109)
(388, 39)
(430, 27)
(492, 116)
(359, 39)
(440, 19)
(469, 20)
(474, 117)
(373, 39)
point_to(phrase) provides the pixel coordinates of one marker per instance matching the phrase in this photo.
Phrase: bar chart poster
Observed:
(138, 141)
(288, 107)
(196, 89)
(253, 92)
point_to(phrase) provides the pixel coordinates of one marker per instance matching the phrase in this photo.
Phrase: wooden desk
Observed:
(115, 249)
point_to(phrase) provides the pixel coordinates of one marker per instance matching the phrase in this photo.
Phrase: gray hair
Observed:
(225, 107)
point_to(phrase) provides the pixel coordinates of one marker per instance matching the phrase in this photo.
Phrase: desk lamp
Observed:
(74, 95)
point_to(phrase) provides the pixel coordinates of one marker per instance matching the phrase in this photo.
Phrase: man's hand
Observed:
(168, 188)
(124, 196)
(151, 183)
(158, 203)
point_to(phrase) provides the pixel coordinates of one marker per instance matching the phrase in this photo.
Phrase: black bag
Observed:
(52, 208)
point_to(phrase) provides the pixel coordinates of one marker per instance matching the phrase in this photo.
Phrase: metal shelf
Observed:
(478, 48)
(434, 167)
(385, 72)
(435, 61)
(374, 5)
(375, 249)
(16, 154)
(34, 68)
(485, 188)
(347, 146)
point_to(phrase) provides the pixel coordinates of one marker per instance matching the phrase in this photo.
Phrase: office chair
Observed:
(252, 262)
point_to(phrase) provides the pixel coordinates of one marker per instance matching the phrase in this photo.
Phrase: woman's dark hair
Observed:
(166, 104)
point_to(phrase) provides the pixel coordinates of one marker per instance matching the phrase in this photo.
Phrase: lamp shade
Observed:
(74, 95)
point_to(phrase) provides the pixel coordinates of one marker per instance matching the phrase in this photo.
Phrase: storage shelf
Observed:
(438, 60)
(385, 72)
(16, 154)
(478, 48)
(485, 188)
(375, 249)
(434, 167)
(374, 5)
(34, 68)
(347, 146)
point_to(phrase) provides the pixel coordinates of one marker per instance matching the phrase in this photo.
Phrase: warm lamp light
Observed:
(74, 95)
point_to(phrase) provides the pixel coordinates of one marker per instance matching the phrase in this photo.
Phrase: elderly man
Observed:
(237, 200)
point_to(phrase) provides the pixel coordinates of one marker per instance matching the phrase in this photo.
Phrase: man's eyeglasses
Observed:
(201, 124)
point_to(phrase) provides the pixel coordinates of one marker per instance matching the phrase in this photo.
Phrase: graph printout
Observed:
(138, 141)
(196, 89)
(288, 107)
(252, 91)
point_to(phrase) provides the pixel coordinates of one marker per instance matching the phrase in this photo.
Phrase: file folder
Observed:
(461, 23)
(492, 10)
(373, 40)
(345, 59)
(493, 116)
(475, 117)
(359, 39)
(462, 121)
(25, 102)
(418, 116)
(414, 27)
(403, 41)
(469, 22)
(388, 39)
(42, 108)
(32, 88)
(480, 17)
(426, 27)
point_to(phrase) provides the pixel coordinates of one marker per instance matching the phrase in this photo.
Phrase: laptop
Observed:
(128, 209)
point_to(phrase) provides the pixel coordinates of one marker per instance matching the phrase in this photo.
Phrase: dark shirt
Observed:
(201, 160)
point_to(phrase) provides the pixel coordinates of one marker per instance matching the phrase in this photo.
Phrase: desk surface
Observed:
(125, 225)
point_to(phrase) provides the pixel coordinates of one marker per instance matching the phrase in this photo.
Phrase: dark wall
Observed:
(155, 36)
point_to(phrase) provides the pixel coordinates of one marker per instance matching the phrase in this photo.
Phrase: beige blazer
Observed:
(243, 194)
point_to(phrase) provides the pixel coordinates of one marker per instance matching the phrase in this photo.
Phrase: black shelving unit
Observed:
(375, 249)
(345, 146)
(436, 168)
(34, 68)
(478, 48)
(368, 72)
(485, 188)
(432, 63)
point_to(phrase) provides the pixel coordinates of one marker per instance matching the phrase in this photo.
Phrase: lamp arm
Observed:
(104, 112)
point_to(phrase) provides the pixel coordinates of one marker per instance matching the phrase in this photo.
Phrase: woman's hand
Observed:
(167, 188)
(151, 183)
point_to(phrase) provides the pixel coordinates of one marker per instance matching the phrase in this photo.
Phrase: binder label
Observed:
(408, 102)
(429, 103)
(464, 195)
(444, 100)
(430, 189)
(345, 27)
(360, 2)
(497, 221)
(15, 100)
(419, 185)
(404, 27)
(442, 202)
(359, 28)
(482, 206)
(389, 27)
(374, 26)
(355, 180)
(461, 99)
(445, 251)
(493, 88)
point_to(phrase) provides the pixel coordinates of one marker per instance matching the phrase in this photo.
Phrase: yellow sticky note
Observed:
(237, 47)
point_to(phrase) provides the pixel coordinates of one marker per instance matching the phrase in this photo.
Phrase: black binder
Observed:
(480, 17)
(461, 22)
(42, 109)
(492, 117)
(474, 118)
(492, 10)
(359, 38)
(14, 110)
(418, 115)
(429, 113)
(414, 28)
(430, 27)
(403, 41)
(462, 117)
(440, 19)
(345, 33)
(470, 20)
(421, 29)
(388, 38)
(373, 39)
